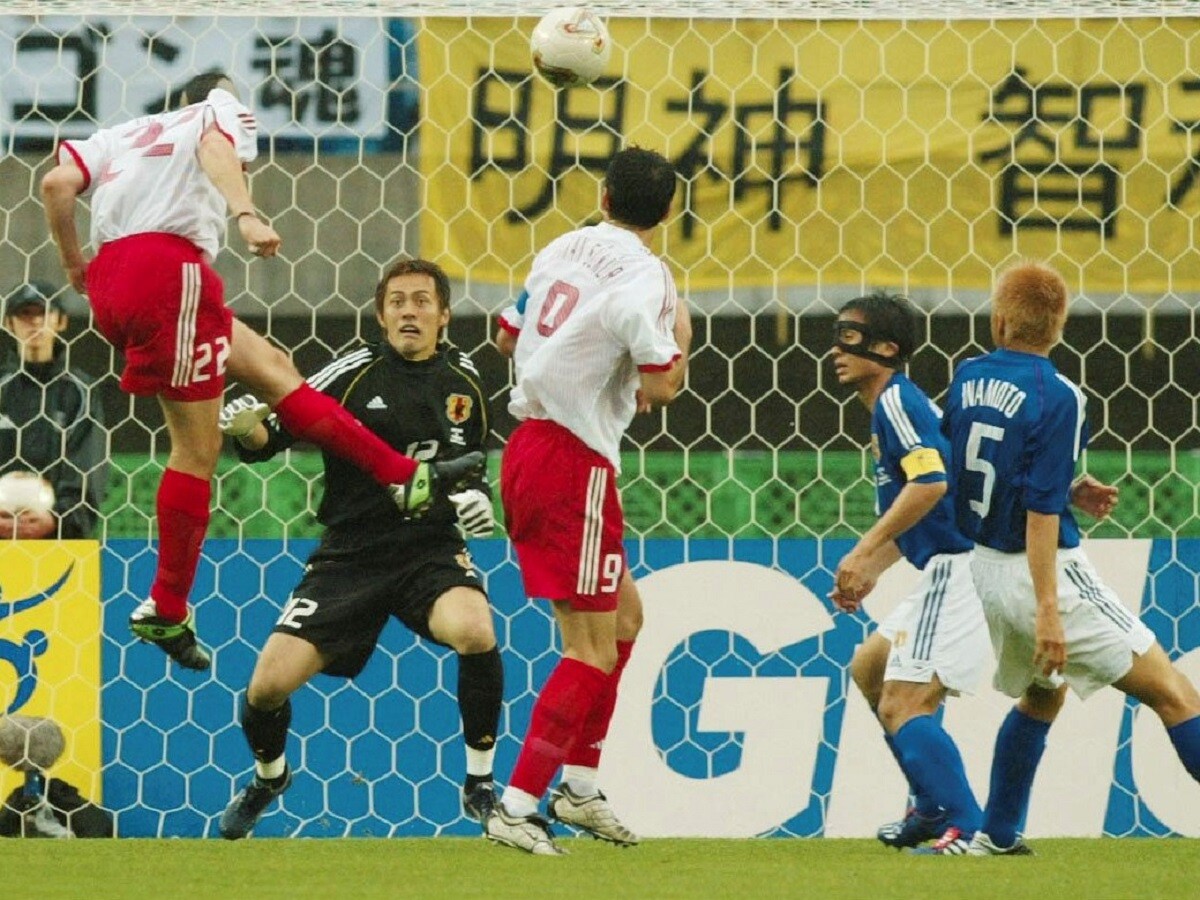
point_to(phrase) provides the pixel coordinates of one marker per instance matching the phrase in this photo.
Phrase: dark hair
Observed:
(890, 317)
(198, 86)
(441, 283)
(641, 185)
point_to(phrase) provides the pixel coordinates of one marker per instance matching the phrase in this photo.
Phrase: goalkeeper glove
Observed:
(241, 416)
(415, 496)
(475, 516)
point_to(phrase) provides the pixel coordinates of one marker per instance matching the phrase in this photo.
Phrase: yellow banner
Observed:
(851, 153)
(50, 635)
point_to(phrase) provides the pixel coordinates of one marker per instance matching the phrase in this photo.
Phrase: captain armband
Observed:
(922, 461)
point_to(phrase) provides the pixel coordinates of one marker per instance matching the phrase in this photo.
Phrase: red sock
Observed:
(321, 420)
(586, 751)
(183, 502)
(561, 708)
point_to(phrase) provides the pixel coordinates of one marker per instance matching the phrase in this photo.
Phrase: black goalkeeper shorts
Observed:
(345, 598)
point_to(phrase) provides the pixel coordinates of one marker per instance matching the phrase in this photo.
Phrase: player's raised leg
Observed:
(286, 664)
(1158, 684)
(312, 416)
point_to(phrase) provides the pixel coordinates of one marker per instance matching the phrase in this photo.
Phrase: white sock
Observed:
(479, 762)
(580, 779)
(273, 769)
(517, 802)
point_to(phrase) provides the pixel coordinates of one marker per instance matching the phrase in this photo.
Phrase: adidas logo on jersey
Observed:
(376, 402)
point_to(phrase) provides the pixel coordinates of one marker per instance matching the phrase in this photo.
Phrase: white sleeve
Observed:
(234, 121)
(90, 156)
(643, 319)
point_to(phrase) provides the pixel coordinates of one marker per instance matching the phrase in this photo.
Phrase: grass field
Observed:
(364, 869)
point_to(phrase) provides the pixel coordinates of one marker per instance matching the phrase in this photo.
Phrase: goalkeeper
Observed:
(423, 397)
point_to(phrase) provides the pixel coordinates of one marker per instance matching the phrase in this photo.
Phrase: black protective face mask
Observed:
(855, 337)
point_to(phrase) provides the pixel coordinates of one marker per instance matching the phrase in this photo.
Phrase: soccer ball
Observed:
(25, 491)
(570, 46)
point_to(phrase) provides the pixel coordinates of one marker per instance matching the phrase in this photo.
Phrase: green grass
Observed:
(458, 867)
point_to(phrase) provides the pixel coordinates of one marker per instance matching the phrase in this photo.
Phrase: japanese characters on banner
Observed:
(916, 154)
(306, 78)
(883, 153)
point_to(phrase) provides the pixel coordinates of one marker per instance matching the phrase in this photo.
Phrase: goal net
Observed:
(824, 149)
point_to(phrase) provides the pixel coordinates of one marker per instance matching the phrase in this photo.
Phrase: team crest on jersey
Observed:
(458, 408)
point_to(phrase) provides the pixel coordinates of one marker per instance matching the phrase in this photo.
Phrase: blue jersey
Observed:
(908, 446)
(1016, 429)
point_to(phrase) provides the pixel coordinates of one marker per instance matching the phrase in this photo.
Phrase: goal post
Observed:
(824, 149)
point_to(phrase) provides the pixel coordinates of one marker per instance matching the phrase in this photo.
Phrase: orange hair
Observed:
(1032, 298)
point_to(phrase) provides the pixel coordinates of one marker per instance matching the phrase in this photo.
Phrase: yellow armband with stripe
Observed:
(922, 461)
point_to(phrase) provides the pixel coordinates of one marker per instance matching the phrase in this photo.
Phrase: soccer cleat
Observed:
(431, 480)
(591, 814)
(951, 843)
(529, 833)
(247, 806)
(176, 639)
(913, 830)
(479, 802)
(981, 845)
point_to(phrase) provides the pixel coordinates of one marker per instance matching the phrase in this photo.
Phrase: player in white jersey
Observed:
(599, 333)
(161, 187)
(576, 365)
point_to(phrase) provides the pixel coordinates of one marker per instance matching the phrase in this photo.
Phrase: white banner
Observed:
(770, 750)
(305, 78)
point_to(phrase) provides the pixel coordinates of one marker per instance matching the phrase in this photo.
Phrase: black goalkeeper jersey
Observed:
(431, 409)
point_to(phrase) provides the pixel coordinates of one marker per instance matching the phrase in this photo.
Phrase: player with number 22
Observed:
(161, 187)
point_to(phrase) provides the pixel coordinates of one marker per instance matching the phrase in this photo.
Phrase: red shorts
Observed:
(162, 305)
(564, 516)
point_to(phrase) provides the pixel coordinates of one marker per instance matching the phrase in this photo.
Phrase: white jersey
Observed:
(600, 307)
(144, 176)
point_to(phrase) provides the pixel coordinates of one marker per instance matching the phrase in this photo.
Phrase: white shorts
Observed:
(1102, 635)
(939, 628)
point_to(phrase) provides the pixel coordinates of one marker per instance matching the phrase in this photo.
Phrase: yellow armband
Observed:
(922, 461)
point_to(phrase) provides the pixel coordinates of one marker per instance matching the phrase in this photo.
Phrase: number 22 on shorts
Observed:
(209, 360)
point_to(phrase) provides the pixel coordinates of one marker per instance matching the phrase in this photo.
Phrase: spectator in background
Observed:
(51, 421)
